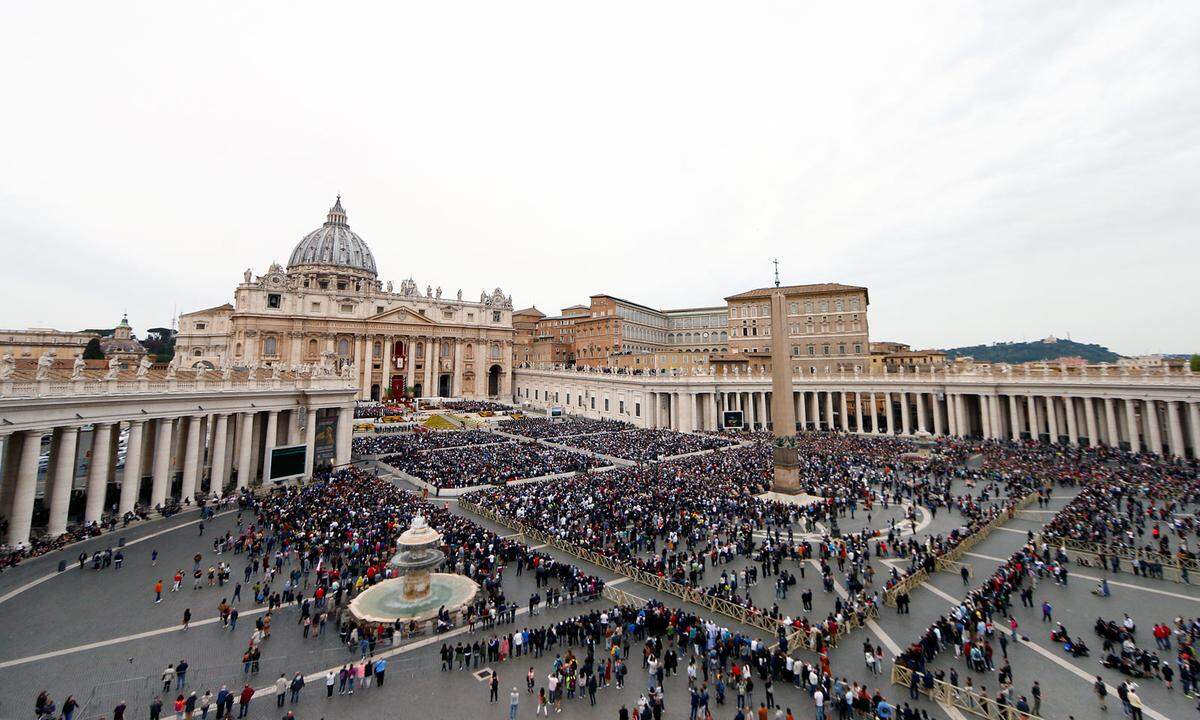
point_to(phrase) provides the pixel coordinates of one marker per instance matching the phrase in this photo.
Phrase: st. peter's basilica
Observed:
(328, 307)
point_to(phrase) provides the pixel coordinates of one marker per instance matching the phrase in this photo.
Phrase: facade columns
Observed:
(20, 517)
(802, 410)
(1131, 423)
(905, 426)
(1051, 418)
(874, 415)
(829, 423)
(816, 410)
(713, 416)
(858, 412)
(219, 475)
(190, 459)
(938, 424)
(921, 424)
(1035, 428)
(410, 366)
(762, 410)
(887, 409)
(429, 389)
(985, 416)
(161, 481)
(131, 481)
(845, 419)
(97, 483)
(62, 460)
(1194, 427)
(456, 385)
(245, 442)
(960, 415)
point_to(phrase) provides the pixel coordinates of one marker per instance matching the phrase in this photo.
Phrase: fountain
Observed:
(417, 594)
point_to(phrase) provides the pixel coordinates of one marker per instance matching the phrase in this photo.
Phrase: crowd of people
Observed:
(476, 406)
(375, 410)
(1119, 495)
(414, 442)
(489, 464)
(642, 445)
(550, 428)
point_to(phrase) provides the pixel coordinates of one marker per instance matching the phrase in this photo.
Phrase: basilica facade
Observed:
(328, 307)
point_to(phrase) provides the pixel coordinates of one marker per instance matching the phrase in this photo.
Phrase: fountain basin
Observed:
(384, 602)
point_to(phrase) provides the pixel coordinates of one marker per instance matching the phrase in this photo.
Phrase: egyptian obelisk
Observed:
(783, 408)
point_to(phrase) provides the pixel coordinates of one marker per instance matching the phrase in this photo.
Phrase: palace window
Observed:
(312, 347)
(857, 349)
(269, 346)
(812, 350)
(347, 308)
(841, 349)
(344, 347)
(495, 316)
(274, 300)
(316, 307)
(201, 326)
(448, 314)
(376, 349)
(824, 349)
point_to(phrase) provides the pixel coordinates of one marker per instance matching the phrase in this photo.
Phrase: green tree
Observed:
(1195, 363)
(93, 350)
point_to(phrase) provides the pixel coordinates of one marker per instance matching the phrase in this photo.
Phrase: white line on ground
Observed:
(71, 566)
(1069, 667)
(1118, 583)
(118, 640)
(1014, 530)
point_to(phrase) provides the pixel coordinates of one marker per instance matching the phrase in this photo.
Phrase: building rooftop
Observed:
(793, 289)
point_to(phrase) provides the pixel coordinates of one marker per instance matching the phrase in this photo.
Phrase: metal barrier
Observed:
(747, 616)
(952, 556)
(1174, 568)
(961, 698)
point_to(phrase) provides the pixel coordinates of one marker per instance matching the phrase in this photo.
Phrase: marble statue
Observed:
(275, 372)
(226, 371)
(172, 368)
(7, 366)
(389, 286)
(144, 366)
(460, 294)
(114, 366)
(253, 372)
(439, 292)
(45, 362)
(246, 275)
(428, 291)
(77, 368)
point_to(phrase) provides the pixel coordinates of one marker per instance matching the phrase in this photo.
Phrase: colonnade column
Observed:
(97, 482)
(762, 410)
(385, 367)
(245, 439)
(310, 441)
(1051, 418)
(456, 384)
(160, 482)
(345, 429)
(801, 410)
(905, 427)
(63, 461)
(845, 413)
(410, 366)
(921, 426)
(858, 412)
(1014, 418)
(219, 474)
(874, 415)
(1194, 427)
(20, 519)
(190, 459)
(131, 480)
(985, 416)
(1174, 430)
(714, 421)
(364, 359)
(1151, 418)
(269, 443)
(829, 411)
(1110, 419)
(887, 410)
(1089, 418)
(1034, 426)
(1131, 424)
(428, 389)
(1072, 428)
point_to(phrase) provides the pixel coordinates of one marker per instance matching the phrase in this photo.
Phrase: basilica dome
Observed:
(333, 246)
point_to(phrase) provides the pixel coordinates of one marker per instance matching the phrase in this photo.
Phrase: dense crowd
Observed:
(1119, 494)
(400, 443)
(475, 406)
(489, 464)
(642, 445)
(373, 410)
(550, 428)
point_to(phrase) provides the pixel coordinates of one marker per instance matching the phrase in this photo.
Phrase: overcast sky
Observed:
(991, 171)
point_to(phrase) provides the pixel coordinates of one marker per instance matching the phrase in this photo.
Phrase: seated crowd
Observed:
(642, 445)
(423, 440)
(488, 464)
(550, 428)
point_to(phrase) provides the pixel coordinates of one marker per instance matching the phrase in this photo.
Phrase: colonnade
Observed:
(1143, 414)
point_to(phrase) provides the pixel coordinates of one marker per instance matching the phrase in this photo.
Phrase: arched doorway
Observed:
(494, 380)
(444, 385)
(375, 392)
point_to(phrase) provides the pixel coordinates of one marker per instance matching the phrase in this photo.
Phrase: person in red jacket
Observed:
(247, 695)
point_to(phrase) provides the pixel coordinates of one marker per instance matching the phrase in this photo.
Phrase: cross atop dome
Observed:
(337, 214)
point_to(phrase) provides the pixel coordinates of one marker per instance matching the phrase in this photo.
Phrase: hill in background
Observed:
(1049, 349)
